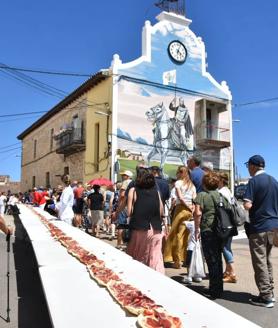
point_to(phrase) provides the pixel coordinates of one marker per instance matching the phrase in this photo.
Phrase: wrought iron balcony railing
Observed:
(211, 135)
(69, 141)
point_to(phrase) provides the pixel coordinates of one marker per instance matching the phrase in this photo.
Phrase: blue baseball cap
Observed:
(257, 160)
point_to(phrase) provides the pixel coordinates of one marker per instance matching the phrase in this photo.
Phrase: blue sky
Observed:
(82, 36)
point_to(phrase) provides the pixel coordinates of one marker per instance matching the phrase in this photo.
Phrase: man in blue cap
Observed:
(261, 199)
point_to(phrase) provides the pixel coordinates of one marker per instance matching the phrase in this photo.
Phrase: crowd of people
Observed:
(158, 221)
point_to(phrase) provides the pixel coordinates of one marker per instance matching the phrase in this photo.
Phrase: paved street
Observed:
(28, 307)
(236, 296)
(27, 302)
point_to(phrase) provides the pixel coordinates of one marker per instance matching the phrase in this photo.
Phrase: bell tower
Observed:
(172, 6)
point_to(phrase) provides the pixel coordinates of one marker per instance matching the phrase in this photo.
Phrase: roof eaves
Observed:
(90, 83)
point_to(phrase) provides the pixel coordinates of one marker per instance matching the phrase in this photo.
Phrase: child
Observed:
(191, 245)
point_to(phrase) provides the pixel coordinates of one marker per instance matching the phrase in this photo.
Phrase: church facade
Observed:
(168, 107)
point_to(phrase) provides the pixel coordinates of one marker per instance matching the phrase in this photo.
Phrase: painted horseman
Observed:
(163, 130)
(182, 127)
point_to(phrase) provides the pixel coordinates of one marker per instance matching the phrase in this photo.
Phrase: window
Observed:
(35, 148)
(47, 179)
(66, 170)
(77, 128)
(209, 123)
(96, 154)
(33, 181)
(51, 139)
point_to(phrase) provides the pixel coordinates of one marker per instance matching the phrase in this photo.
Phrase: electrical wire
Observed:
(23, 114)
(34, 83)
(8, 146)
(40, 89)
(256, 102)
(7, 151)
(38, 85)
(2, 159)
(61, 92)
(43, 71)
(18, 119)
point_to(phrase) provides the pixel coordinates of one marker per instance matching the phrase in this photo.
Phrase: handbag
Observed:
(239, 213)
(126, 234)
(197, 268)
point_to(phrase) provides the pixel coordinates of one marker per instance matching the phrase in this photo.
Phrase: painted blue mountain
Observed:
(123, 135)
(141, 141)
(145, 93)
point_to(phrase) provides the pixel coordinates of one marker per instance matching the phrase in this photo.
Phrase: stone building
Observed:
(6, 184)
(63, 140)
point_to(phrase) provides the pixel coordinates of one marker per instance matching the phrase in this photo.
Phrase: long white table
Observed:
(75, 300)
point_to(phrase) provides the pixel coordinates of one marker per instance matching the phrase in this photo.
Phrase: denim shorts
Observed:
(122, 218)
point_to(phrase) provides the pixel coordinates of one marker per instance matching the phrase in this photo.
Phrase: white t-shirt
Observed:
(3, 199)
(225, 191)
(188, 193)
(65, 205)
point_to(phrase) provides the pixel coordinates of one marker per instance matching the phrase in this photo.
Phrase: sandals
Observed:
(230, 279)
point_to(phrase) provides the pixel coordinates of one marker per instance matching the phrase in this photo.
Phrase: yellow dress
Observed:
(176, 243)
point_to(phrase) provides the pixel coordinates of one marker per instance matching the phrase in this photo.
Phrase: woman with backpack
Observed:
(205, 222)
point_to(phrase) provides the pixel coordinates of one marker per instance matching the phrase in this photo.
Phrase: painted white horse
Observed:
(163, 143)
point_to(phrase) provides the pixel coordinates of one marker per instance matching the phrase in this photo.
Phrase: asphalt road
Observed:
(29, 309)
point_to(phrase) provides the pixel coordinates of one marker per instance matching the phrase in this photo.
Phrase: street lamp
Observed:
(234, 162)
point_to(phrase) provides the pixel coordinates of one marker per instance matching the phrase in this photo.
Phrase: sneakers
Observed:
(189, 280)
(197, 279)
(258, 300)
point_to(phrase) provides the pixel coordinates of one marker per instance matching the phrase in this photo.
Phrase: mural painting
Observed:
(157, 125)
(169, 107)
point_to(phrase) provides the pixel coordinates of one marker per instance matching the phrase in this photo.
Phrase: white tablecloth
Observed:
(75, 300)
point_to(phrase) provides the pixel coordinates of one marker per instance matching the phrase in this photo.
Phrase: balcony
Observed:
(70, 141)
(211, 135)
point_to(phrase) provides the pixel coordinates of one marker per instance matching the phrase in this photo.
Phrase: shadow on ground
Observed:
(232, 296)
(32, 307)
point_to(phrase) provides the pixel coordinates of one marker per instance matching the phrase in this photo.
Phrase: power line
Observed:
(78, 106)
(18, 119)
(5, 157)
(60, 93)
(34, 83)
(256, 102)
(44, 71)
(38, 85)
(12, 145)
(6, 151)
(23, 114)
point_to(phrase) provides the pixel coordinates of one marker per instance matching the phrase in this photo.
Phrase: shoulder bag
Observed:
(126, 235)
(239, 213)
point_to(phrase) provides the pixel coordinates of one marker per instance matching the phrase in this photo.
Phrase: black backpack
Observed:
(224, 225)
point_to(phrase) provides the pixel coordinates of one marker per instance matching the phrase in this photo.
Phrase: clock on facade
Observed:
(177, 52)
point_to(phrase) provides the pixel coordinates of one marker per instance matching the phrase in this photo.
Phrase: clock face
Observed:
(177, 52)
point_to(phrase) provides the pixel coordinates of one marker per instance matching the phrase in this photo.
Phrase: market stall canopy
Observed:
(101, 182)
